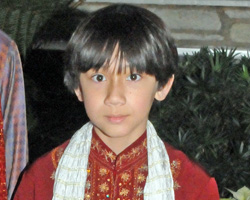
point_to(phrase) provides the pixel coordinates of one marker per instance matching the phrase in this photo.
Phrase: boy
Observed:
(119, 60)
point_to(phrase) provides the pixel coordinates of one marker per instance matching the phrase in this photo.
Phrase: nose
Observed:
(115, 94)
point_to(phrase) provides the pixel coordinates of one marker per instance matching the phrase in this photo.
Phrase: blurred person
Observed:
(13, 135)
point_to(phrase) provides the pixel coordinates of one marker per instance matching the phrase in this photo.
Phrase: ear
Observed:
(78, 92)
(161, 94)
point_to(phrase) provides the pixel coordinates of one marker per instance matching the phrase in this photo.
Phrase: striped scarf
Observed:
(71, 173)
(3, 188)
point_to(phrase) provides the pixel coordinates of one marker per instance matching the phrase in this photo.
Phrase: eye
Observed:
(98, 78)
(134, 77)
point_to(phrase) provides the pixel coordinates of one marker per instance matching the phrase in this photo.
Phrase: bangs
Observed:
(144, 43)
(137, 39)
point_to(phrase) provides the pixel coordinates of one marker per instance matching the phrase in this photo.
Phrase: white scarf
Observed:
(71, 173)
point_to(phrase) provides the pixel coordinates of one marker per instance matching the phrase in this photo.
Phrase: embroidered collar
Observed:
(71, 173)
(105, 155)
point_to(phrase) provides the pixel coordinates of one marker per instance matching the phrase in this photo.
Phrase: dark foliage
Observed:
(207, 115)
(24, 19)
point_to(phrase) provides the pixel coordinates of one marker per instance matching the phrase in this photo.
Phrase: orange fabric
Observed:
(117, 176)
(3, 189)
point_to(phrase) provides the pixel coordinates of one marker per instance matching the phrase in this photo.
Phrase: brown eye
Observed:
(134, 77)
(98, 78)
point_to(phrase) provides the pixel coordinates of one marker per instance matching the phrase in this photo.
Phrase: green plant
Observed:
(242, 194)
(207, 114)
(22, 19)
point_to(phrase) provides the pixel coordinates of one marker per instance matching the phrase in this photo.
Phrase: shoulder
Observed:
(185, 163)
(8, 48)
(38, 179)
(45, 165)
(5, 39)
(190, 179)
(6, 43)
(50, 159)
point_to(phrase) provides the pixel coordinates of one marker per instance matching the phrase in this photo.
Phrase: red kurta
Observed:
(118, 177)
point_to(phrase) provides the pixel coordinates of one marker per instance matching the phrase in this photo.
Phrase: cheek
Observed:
(90, 93)
(90, 101)
(142, 101)
(91, 109)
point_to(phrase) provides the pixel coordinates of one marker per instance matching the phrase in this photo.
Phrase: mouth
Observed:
(116, 119)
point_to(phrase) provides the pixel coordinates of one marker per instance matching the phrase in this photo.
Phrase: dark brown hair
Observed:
(144, 42)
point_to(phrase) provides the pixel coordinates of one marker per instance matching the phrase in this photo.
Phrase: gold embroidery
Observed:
(109, 155)
(125, 177)
(102, 179)
(53, 157)
(87, 196)
(56, 155)
(143, 168)
(175, 164)
(88, 185)
(103, 171)
(95, 145)
(135, 151)
(141, 178)
(124, 192)
(139, 191)
(176, 185)
(53, 175)
(175, 169)
(104, 187)
(144, 143)
(121, 158)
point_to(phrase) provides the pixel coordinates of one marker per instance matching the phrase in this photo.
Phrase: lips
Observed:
(116, 119)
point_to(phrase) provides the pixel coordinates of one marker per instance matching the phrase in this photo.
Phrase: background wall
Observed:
(195, 26)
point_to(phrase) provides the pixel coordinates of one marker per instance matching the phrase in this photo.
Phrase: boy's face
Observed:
(118, 104)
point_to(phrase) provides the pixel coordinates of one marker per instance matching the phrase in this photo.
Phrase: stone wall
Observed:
(196, 26)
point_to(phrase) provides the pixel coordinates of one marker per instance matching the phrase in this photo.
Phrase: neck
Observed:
(117, 144)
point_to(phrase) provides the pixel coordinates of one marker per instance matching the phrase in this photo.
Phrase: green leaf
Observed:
(241, 194)
(245, 74)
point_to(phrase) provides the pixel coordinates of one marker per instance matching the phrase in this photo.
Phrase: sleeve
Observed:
(38, 180)
(26, 189)
(196, 182)
(13, 111)
(210, 191)
(190, 180)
